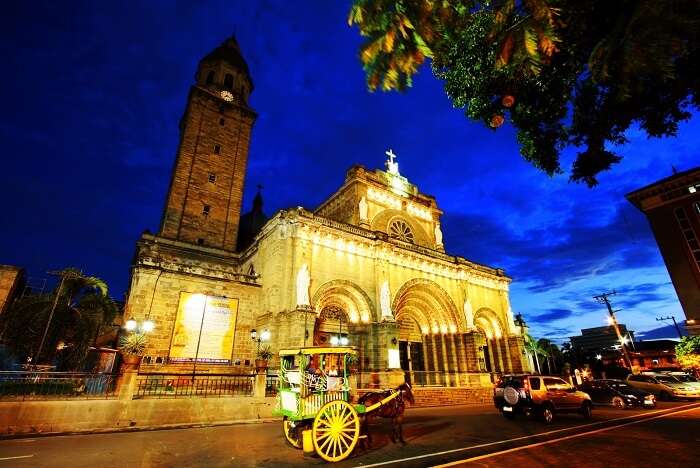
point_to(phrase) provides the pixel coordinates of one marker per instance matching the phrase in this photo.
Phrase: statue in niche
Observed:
(363, 209)
(385, 302)
(468, 314)
(438, 234)
(303, 282)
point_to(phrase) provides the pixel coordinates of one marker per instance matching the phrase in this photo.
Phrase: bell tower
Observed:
(204, 199)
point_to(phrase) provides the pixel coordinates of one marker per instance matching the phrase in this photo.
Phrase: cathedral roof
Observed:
(251, 223)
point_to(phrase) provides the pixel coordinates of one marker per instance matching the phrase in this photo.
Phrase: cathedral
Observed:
(366, 268)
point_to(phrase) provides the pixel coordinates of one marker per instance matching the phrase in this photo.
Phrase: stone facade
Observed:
(11, 281)
(367, 266)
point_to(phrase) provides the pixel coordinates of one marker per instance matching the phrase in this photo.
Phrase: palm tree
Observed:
(82, 307)
(535, 349)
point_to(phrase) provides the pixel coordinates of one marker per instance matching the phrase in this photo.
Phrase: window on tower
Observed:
(212, 177)
(210, 77)
(228, 81)
(206, 210)
(217, 149)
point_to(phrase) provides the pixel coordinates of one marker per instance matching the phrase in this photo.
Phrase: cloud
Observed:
(551, 315)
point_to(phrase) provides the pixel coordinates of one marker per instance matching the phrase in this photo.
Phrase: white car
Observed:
(666, 387)
(687, 379)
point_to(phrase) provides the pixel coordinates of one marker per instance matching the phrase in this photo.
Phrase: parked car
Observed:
(686, 378)
(617, 393)
(541, 396)
(665, 387)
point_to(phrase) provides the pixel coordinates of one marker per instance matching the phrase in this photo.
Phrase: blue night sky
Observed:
(92, 93)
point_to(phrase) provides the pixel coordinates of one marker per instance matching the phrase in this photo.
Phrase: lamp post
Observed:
(264, 336)
(675, 324)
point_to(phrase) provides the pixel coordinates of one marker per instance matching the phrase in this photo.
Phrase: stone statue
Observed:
(303, 282)
(511, 321)
(385, 301)
(363, 209)
(438, 234)
(468, 314)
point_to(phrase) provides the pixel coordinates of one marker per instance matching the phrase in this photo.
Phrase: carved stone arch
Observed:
(429, 300)
(346, 295)
(489, 323)
(383, 220)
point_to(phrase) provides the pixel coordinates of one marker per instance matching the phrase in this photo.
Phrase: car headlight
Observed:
(649, 397)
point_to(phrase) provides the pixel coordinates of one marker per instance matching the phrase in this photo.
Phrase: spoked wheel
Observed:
(336, 430)
(292, 432)
(618, 402)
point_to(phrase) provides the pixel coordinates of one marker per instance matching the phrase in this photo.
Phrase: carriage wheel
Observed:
(292, 432)
(336, 430)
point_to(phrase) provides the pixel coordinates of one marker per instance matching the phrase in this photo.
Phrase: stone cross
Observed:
(391, 155)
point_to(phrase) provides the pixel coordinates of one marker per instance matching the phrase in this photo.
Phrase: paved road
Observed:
(667, 436)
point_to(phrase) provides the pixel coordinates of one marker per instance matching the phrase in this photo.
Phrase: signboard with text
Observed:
(209, 321)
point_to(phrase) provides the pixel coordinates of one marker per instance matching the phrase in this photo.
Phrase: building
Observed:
(598, 339)
(647, 356)
(672, 206)
(366, 267)
(11, 284)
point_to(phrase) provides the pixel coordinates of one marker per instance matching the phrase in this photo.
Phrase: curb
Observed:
(164, 427)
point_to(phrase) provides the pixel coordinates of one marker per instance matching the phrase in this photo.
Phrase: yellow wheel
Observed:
(292, 432)
(336, 430)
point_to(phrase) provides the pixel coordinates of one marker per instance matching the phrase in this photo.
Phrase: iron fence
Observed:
(367, 379)
(33, 385)
(164, 385)
(271, 384)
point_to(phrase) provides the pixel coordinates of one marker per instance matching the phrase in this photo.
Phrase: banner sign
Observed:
(212, 317)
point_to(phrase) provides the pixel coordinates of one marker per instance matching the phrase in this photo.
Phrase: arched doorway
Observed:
(430, 347)
(332, 327)
(494, 351)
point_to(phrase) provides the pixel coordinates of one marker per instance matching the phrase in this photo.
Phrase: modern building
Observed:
(672, 206)
(367, 267)
(600, 338)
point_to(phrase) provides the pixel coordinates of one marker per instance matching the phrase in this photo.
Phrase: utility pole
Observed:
(603, 299)
(675, 324)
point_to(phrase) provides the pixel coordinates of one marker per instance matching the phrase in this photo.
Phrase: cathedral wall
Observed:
(166, 299)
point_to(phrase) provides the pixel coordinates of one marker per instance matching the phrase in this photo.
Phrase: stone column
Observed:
(506, 347)
(446, 360)
(454, 361)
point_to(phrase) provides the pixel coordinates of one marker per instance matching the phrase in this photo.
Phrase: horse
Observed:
(393, 410)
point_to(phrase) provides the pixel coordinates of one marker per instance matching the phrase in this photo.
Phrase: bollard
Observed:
(307, 444)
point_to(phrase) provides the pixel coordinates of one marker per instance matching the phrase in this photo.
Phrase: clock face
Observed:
(227, 96)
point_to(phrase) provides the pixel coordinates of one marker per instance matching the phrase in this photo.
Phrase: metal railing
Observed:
(271, 384)
(33, 385)
(367, 379)
(164, 385)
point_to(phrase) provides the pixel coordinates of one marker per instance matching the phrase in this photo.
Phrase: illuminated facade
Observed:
(367, 267)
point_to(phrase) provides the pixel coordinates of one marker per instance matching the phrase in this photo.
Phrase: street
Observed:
(666, 436)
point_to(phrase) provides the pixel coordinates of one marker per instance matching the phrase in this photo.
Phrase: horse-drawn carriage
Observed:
(315, 395)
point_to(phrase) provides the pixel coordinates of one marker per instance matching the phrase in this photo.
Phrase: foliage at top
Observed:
(83, 307)
(562, 72)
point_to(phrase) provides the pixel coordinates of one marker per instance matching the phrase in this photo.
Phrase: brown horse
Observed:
(393, 410)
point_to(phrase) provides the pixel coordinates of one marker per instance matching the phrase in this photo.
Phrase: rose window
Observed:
(398, 229)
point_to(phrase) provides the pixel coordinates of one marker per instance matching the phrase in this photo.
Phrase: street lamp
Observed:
(264, 336)
(132, 325)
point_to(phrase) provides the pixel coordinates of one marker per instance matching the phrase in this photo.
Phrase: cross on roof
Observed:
(391, 155)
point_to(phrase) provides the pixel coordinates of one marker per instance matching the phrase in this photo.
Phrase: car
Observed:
(688, 379)
(665, 387)
(537, 395)
(617, 393)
